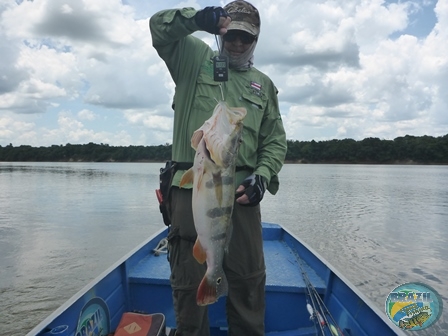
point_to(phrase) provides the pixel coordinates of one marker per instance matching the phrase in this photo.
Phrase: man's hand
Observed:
(251, 190)
(223, 23)
(213, 20)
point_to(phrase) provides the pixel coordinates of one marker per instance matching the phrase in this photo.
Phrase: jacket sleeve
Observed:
(171, 36)
(272, 145)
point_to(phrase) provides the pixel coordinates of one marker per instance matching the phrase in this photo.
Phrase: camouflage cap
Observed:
(244, 17)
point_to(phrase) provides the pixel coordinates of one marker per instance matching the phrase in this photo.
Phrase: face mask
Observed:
(241, 62)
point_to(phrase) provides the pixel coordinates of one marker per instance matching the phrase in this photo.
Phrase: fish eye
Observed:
(218, 281)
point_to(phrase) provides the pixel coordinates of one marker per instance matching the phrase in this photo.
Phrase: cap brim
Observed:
(245, 26)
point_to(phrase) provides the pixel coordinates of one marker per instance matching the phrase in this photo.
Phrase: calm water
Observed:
(62, 224)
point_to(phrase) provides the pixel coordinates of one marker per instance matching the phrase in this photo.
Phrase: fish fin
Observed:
(187, 177)
(217, 181)
(196, 138)
(198, 252)
(211, 289)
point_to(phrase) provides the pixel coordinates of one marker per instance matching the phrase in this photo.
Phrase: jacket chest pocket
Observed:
(255, 106)
(208, 92)
(254, 101)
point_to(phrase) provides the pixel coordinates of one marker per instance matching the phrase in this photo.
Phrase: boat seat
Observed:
(153, 269)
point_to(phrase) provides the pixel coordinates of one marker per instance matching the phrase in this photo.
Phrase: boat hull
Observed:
(139, 282)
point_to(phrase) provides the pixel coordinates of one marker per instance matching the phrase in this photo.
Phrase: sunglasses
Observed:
(245, 38)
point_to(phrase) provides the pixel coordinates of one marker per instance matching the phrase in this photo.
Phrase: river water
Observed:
(62, 224)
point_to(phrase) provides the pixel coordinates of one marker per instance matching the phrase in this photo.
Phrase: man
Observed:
(261, 156)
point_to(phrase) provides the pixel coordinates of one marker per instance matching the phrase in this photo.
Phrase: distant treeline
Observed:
(407, 149)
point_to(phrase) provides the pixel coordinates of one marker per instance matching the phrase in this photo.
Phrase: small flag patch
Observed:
(255, 86)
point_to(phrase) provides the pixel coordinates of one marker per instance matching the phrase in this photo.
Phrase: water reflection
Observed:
(48, 168)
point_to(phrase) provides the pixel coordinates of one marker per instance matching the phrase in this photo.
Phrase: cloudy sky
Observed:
(79, 71)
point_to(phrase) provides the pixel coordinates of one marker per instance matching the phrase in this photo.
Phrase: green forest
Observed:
(402, 150)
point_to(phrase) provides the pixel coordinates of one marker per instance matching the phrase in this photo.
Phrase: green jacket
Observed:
(189, 62)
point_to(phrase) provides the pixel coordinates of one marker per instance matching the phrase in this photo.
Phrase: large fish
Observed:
(216, 144)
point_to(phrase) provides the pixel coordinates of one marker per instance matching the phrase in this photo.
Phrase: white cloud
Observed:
(71, 130)
(153, 122)
(15, 131)
(343, 69)
(375, 20)
(87, 115)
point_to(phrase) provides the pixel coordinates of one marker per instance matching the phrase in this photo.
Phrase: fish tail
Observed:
(207, 292)
(211, 289)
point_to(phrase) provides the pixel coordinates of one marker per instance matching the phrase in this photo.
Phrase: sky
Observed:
(80, 71)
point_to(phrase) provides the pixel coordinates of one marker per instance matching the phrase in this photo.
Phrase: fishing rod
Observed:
(323, 316)
(335, 330)
(311, 307)
(317, 309)
(314, 308)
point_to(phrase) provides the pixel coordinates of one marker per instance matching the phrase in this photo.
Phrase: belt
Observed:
(188, 165)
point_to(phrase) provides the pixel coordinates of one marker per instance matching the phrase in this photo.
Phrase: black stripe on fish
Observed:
(219, 212)
(225, 180)
(219, 236)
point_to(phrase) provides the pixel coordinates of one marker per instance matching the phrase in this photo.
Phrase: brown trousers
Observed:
(243, 264)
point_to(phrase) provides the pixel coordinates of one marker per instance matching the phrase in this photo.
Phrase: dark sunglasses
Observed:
(245, 38)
